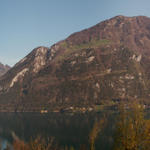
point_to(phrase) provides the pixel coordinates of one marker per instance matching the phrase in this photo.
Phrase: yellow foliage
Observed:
(98, 125)
(133, 130)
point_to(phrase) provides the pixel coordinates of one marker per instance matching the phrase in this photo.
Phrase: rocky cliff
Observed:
(106, 63)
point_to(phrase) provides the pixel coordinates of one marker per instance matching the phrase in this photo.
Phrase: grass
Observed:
(91, 44)
(70, 49)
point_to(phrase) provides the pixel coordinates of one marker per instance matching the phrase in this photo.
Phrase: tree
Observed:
(98, 125)
(133, 130)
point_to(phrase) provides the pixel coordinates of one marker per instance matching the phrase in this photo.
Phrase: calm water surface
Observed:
(67, 129)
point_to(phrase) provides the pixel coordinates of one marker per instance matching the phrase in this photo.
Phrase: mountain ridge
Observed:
(3, 69)
(102, 64)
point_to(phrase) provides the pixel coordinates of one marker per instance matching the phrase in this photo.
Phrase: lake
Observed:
(66, 128)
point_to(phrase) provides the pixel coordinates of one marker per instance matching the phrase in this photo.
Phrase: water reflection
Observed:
(67, 129)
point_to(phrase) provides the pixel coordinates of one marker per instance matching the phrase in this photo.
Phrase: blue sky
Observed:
(26, 24)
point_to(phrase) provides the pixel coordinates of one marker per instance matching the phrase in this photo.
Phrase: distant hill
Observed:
(3, 69)
(106, 63)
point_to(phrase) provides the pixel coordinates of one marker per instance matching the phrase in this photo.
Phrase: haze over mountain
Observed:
(107, 62)
(3, 69)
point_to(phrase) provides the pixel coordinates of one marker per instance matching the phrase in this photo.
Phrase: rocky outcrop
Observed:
(108, 62)
(3, 69)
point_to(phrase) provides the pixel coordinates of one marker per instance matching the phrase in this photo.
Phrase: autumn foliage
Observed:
(132, 129)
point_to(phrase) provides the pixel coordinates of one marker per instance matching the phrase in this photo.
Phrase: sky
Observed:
(27, 24)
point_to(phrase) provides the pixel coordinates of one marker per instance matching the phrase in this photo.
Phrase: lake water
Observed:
(67, 129)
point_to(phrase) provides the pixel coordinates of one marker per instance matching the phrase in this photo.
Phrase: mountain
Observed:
(3, 69)
(106, 63)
